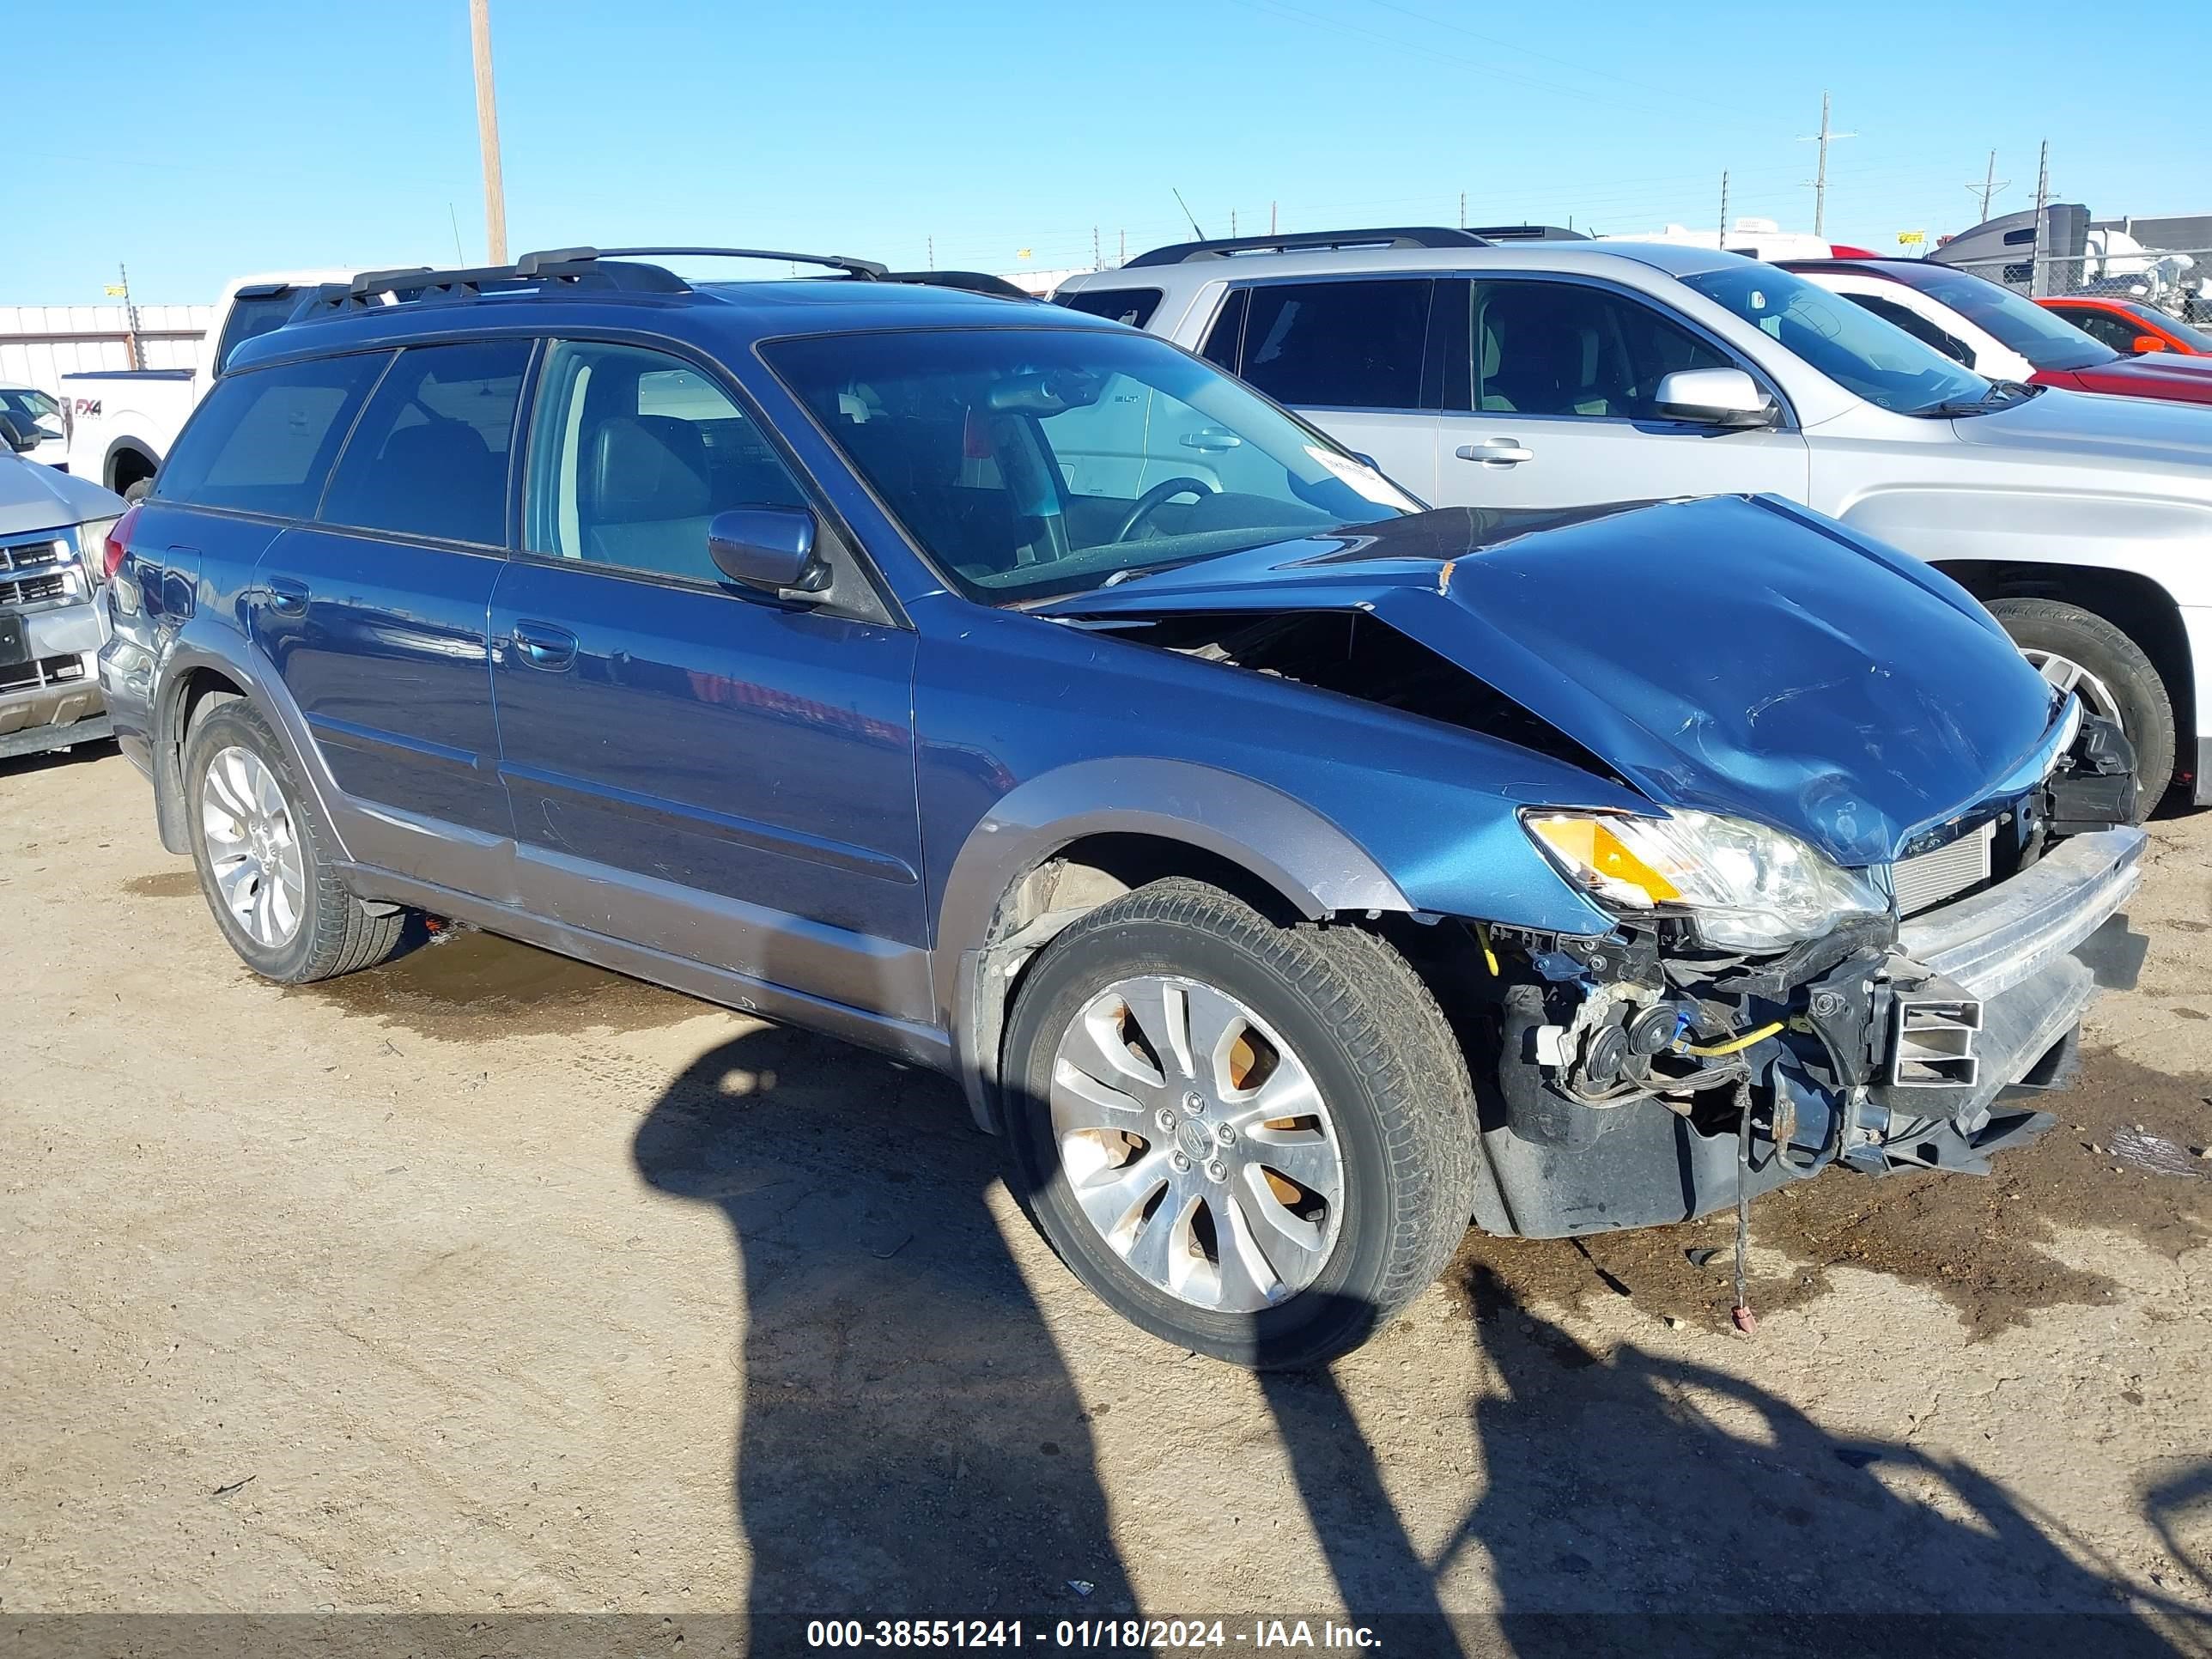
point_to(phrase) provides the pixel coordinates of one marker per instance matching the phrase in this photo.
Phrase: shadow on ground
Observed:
(910, 1440)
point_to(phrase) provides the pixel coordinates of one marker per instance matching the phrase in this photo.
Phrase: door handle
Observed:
(1496, 451)
(544, 646)
(287, 597)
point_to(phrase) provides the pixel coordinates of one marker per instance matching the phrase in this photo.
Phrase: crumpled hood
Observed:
(1735, 653)
(2172, 439)
(34, 497)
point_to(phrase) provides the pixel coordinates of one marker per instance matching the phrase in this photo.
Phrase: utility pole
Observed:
(1232, 222)
(130, 341)
(1096, 262)
(1723, 243)
(1824, 138)
(931, 241)
(1990, 186)
(1462, 209)
(1270, 218)
(1125, 247)
(487, 131)
(2039, 275)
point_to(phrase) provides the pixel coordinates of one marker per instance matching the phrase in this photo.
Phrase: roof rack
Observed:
(1531, 234)
(868, 270)
(1384, 236)
(970, 281)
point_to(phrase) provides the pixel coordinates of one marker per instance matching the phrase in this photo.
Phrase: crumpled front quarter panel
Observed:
(1013, 711)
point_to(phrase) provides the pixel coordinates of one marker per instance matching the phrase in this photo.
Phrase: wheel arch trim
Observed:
(1315, 866)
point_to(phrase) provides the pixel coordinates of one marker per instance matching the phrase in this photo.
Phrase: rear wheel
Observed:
(2078, 651)
(1256, 1142)
(264, 857)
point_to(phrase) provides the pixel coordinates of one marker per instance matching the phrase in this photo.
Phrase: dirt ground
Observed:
(489, 1283)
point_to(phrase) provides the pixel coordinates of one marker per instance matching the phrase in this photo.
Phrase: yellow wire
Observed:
(1489, 955)
(1734, 1045)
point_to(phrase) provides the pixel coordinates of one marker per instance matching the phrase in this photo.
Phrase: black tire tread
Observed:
(2137, 678)
(1389, 1021)
(346, 935)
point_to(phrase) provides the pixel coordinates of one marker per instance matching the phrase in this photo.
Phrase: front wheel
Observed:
(1256, 1142)
(2078, 651)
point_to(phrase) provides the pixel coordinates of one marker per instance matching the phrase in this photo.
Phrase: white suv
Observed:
(1552, 374)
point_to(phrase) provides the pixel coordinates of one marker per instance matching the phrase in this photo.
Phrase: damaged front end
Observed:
(1626, 1063)
(1851, 874)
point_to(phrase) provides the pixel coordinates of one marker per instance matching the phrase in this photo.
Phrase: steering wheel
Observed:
(1157, 497)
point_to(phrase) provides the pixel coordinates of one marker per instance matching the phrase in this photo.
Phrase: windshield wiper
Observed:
(2002, 394)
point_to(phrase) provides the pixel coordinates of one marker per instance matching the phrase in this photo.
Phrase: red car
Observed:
(2130, 327)
(2003, 334)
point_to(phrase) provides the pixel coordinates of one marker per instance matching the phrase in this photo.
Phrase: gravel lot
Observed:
(489, 1282)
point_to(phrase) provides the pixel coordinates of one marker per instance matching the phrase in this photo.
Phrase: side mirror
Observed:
(21, 441)
(768, 548)
(1714, 397)
(2143, 344)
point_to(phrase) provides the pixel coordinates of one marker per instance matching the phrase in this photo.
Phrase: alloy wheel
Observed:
(2065, 675)
(253, 846)
(1197, 1144)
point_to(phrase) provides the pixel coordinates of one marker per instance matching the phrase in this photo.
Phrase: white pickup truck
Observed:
(121, 421)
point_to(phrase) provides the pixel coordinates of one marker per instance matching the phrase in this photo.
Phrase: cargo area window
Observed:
(1132, 306)
(262, 441)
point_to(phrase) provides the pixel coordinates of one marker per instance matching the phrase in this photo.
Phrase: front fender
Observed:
(1317, 866)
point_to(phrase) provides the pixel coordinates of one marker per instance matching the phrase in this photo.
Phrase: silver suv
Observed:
(1560, 373)
(53, 530)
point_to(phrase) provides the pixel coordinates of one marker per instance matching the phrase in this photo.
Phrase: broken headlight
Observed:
(1745, 886)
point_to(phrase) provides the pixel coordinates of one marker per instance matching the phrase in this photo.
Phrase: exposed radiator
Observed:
(1951, 869)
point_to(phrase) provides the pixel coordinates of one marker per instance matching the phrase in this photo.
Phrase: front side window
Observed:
(632, 454)
(1026, 463)
(1338, 345)
(1570, 348)
(2106, 327)
(429, 455)
(1854, 348)
(262, 441)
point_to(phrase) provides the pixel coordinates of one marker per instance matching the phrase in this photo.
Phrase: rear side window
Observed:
(1338, 345)
(262, 441)
(429, 455)
(1132, 306)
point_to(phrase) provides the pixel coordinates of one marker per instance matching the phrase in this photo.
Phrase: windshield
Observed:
(2044, 337)
(1028, 463)
(1851, 346)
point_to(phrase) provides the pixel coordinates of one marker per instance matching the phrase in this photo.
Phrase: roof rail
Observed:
(868, 270)
(420, 284)
(1177, 253)
(1531, 234)
(970, 281)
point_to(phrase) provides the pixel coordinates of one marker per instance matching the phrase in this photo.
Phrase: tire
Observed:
(332, 931)
(2048, 627)
(1333, 1003)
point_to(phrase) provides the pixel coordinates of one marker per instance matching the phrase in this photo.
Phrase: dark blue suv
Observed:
(1290, 873)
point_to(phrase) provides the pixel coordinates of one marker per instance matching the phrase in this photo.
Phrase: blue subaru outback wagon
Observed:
(1293, 875)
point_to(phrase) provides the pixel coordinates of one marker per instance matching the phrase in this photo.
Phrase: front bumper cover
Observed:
(2027, 955)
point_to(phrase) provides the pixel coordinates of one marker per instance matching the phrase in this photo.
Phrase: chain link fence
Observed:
(2176, 281)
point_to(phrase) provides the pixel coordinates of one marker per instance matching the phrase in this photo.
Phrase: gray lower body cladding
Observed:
(2026, 957)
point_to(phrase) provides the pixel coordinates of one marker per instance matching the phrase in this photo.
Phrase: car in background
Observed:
(2130, 327)
(2003, 334)
(1566, 374)
(122, 420)
(36, 416)
(1289, 872)
(53, 546)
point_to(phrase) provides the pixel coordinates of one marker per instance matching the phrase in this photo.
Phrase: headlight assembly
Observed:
(1745, 886)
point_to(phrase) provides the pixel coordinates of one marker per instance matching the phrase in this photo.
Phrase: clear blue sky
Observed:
(197, 141)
